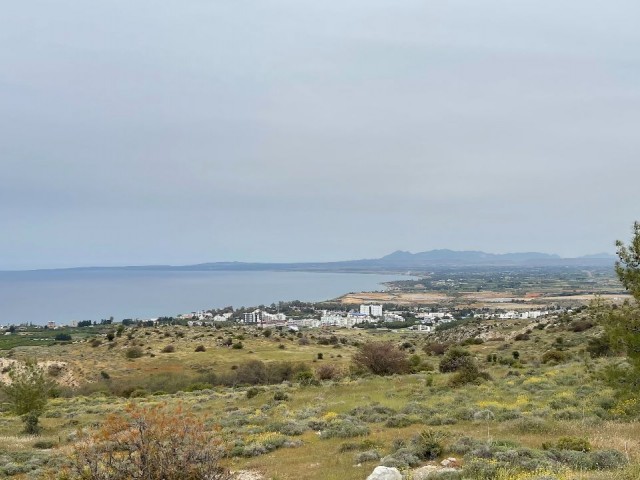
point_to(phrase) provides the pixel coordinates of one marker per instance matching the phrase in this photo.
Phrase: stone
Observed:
(385, 473)
(450, 462)
(423, 473)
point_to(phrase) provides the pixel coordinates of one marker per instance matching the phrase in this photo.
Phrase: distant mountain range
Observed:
(402, 261)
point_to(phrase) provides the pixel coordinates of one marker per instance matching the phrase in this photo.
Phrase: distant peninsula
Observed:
(398, 261)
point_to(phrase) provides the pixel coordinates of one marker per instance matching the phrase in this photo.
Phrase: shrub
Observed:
(456, 358)
(607, 459)
(133, 352)
(368, 456)
(105, 375)
(63, 337)
(521, 337)
(44, 444)
(468, 374)
(169, 349)
(138, 393)
(327, 371)
(580, 325)
(428, 444)
(195, 387)
(200, 348)
(306, 378)
(435, 348)
(237, 346)
(291, 428)
(111, 336)
(280, 396)
(95, 342)
(400, 421)
(372, 413)
(573, 443)
(54, 370)
(345, 427)
(160, 442)
(555, 356)
(27, 394)
(252, 392)
(599, 347)
(381, 358)
(532, 425)
(402, 458)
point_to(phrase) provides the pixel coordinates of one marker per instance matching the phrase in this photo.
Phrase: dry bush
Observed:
(149, 443)
(381, 358)
(328, 371)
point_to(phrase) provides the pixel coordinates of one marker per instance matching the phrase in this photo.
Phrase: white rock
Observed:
(385, 473)
(423, 473)
(449, 462)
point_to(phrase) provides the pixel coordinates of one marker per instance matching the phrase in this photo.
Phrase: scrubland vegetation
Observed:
(554, 398)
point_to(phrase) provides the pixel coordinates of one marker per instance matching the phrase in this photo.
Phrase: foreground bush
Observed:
(381, 358)
(153, 443)
(27, 394)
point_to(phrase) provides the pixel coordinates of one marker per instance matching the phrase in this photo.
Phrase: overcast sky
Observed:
(186, 131)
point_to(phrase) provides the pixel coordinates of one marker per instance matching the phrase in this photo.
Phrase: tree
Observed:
(149, 443)
(27, 394)
(381, 358)
(622, 324)
(628, 265)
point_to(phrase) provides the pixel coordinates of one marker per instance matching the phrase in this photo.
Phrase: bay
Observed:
(66, 295)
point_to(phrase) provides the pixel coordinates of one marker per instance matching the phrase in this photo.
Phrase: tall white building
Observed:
(373, 310)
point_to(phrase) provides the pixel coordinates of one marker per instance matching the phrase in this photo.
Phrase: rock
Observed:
(385, 473)
(450, 462)
(247, 475)
(423, 473)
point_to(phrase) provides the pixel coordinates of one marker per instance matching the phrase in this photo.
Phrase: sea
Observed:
(63, 296)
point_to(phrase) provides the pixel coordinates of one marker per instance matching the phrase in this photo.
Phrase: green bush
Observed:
(532, 424)
(169, 349)
(368, 456)
(555, 356)
(252, 392)
(345, 427)
(44, 444)
(573, 443)
(455, 359)
(280, 396)
(428, 444)
(134, 352)
(608, 459)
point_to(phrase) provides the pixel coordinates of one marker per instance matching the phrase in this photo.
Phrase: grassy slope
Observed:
(565, 395)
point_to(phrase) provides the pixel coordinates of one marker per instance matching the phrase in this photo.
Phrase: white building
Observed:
(393, 317)
(373, 310)
(252, 317)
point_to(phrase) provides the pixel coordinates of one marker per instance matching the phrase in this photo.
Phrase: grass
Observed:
(530, 403)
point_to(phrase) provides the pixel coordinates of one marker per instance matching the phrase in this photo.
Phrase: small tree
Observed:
(149, 443)
(622, 324)
(27, 394)
(381, 358)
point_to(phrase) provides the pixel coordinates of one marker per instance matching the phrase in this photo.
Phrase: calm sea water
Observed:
(66, 295)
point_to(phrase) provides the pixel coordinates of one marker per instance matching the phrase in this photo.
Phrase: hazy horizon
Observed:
(291, 261)
(280, 131)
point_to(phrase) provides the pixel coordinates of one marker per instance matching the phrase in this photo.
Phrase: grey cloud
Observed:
(172, 133)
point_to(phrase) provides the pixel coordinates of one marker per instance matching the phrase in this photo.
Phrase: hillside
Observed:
(336, 423)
